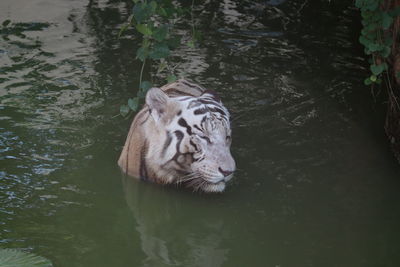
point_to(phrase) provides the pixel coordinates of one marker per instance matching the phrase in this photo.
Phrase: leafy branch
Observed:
(376, 37)
(154, 21)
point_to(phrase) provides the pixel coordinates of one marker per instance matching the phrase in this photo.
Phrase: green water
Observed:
(316, 183)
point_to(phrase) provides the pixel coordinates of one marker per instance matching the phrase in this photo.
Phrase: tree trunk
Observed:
(392, 124)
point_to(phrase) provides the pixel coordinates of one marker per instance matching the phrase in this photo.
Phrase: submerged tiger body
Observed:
(182, 135)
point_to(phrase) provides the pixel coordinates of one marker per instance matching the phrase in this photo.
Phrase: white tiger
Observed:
(182, 135)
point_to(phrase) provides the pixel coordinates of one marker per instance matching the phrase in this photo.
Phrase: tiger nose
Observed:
(225, 173)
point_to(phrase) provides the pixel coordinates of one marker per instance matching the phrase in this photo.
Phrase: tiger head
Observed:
(192, 141)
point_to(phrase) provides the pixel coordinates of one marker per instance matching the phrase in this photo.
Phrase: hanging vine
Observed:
(155, 21)
(381, 38)
(376, 37)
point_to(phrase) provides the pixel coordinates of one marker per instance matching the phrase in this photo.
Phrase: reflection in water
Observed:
(170, 236)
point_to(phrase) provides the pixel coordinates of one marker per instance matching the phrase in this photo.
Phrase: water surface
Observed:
(316, 183)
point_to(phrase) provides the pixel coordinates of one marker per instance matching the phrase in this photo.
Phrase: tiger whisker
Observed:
(190, 179)
(195, 183)
(200, 185)
(186, 176)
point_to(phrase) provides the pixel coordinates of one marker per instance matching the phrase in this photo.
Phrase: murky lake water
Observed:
(316, 184)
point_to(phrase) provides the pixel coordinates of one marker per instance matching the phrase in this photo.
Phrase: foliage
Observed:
(375, 36)
(16, 258)
(154, 20)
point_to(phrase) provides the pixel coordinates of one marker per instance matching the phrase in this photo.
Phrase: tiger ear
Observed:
(157, 100)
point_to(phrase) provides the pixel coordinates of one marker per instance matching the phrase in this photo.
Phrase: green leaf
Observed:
(367, 81)
(374, 47)
(143, 29)
(371, 27)
(125, 27)
(371, 5)
(133, 103)
(153, 5)
(171, 78)
(373, 78)
(364, 41)
(377, 69)
(6, 22)
(160, 50)
(160, 33)
(386, 51)
(386, 21)
(16, 258)
(142, 12)
(122, 30)
(146, 43)
(142, 53)
(170, 12)
(145, 85)
(124, 110)
(368, 34)
(366, 14)
(162, 12)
